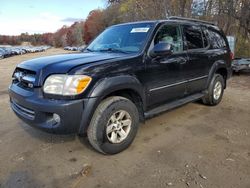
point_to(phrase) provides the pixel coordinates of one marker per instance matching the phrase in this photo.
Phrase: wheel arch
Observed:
(218, 67)
(124, 86)
(132, 95)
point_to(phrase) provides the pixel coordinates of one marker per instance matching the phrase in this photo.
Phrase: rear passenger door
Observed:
(197, 68)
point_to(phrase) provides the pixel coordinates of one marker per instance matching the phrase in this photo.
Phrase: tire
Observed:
(110, 110)
(213, 96)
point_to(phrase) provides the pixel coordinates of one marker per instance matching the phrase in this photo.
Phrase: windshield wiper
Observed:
(89, 50)
(113, 50)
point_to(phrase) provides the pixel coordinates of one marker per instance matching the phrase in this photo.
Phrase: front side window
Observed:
(122, 38)
(193, 37)
(170, 34)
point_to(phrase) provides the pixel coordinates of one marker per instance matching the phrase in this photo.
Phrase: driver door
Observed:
(165, 75)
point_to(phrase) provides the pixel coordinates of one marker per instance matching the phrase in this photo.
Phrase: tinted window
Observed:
(205, 37)
(193, 37)
(216, 40)
(170, 34)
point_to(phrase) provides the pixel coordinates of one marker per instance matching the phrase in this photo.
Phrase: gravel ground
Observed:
(191, 146)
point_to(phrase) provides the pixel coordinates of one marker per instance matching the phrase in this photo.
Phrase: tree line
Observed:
(233, 16)
(72, 35)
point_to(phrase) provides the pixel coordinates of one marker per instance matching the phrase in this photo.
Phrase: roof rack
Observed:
(189, 19)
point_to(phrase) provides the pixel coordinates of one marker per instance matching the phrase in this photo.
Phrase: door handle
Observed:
(178, 60)
(183, 61)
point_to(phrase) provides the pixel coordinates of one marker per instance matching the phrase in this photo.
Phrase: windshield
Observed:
(128, 38)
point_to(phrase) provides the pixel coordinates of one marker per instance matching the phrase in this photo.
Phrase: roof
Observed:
(174, 19)
(191, 20)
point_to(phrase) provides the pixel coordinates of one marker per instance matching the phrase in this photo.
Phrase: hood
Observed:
(61, 64)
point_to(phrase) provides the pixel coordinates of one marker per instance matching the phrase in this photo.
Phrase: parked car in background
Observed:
(75, 48)
(6, 52)
(19, 50)
(2, 53)
(71, 48)
(67, 48)
(241, 64)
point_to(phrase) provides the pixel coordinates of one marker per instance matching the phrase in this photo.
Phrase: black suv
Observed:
(130, 72)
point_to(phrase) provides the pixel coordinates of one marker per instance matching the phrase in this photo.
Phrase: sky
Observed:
(41, 16)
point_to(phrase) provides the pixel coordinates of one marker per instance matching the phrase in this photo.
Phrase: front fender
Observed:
(103, 88)
(111, 84)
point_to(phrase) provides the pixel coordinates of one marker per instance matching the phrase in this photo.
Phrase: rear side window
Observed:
(216, 40)
(193, 37)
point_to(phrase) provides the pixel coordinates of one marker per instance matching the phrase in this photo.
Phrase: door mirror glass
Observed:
(161, 49)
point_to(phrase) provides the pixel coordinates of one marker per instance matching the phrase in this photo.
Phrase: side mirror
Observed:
(161, 49)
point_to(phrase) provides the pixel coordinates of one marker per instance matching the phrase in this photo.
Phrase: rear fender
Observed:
(216, 66)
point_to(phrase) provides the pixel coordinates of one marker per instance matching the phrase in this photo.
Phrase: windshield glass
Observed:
(128, 38)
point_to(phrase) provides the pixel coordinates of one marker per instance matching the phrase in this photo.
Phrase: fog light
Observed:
(56, 118)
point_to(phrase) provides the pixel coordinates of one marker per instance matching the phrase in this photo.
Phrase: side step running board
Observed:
(171, 105)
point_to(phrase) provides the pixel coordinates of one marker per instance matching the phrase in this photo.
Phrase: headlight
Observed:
(60, 84)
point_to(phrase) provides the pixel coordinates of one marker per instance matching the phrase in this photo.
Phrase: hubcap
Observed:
(118, 126)
(217, 90)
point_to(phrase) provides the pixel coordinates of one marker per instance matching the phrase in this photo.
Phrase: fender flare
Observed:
(216, 66)
(103, 88)
(111, 84)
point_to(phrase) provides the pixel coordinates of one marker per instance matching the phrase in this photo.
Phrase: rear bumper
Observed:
(32, 108)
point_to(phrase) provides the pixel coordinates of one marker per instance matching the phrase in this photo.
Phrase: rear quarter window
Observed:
(216, 39)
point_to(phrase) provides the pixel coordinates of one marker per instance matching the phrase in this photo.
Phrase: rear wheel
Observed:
(114, 125)
(215, 91)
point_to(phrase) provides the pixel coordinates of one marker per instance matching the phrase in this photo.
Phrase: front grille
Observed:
(24, 78)
(25, 112)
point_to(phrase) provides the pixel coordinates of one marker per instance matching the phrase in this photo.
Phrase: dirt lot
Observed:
(192, 146)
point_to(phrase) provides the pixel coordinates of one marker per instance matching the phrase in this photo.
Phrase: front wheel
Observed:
(114, 125)
(215, 91)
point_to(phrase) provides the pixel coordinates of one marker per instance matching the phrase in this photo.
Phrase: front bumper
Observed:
(32, 108)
